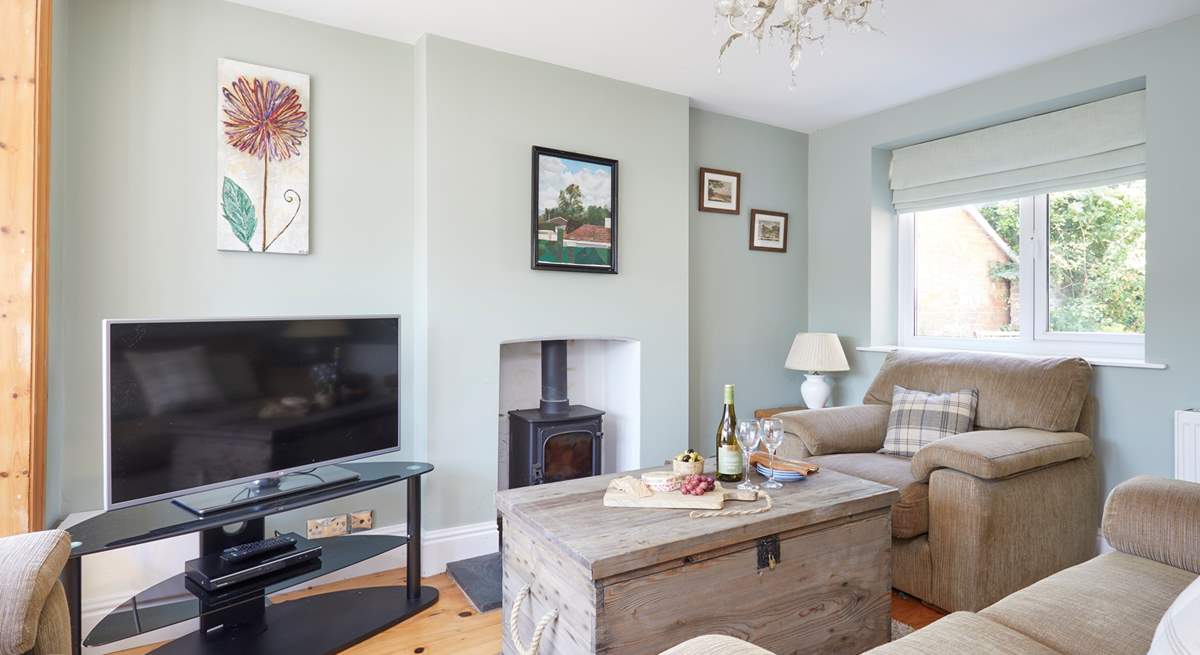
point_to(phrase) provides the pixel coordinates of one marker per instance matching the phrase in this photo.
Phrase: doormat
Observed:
(480, 579)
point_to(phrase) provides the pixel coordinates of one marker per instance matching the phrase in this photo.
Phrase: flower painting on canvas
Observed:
(262, 159)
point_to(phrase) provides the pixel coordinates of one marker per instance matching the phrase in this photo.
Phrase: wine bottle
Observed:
(729, 452)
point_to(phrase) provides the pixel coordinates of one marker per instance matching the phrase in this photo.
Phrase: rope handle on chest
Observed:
(535, 642)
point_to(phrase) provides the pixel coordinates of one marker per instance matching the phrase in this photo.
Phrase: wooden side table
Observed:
(768, 412)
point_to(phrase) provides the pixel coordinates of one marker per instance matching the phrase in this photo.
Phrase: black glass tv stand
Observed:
(224, 499)
(243, 620)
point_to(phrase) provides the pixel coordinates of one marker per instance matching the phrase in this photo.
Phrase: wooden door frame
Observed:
(25, 34)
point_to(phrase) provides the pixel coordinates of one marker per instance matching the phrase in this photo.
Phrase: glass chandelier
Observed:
(797, 22)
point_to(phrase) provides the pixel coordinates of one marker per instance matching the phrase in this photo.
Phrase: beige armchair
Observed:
(983, 513)
(33, 605)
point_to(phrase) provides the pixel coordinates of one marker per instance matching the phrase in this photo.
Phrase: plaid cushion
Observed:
(918, 418)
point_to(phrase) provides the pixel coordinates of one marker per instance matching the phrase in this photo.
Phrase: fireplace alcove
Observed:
(552, 429)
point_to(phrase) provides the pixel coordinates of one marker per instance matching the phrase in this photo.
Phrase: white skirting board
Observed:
(158, 560)
(438, 548)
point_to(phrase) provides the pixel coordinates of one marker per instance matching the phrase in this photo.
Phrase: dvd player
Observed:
(213, 573)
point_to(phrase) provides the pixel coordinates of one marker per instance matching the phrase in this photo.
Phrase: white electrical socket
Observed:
(330, 526)
(363, 519)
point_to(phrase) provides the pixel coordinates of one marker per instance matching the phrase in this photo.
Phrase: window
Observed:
(1061, 272)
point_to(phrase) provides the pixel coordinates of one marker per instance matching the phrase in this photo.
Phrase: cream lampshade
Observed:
(815, 352)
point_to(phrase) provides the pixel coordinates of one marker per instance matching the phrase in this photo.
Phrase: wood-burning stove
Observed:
(558, 440)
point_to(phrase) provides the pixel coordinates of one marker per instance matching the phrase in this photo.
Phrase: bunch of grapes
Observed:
(698, 485)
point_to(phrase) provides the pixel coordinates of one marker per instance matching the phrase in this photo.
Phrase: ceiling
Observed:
(928, 45)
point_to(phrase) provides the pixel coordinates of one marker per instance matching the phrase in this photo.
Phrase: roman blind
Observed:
(1098, 143)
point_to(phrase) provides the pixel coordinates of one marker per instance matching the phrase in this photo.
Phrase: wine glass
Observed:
(747, 436)
(772, 438)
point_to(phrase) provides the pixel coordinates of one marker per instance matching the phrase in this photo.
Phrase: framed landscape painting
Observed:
(720, 191)
(574, 212)
(768, 230)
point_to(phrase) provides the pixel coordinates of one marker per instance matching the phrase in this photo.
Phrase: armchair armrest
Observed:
(830, 430)
(29, 568)
(1155, 518)
(994, 454)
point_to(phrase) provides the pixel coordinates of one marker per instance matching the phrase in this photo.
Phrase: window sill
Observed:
(1094, 361)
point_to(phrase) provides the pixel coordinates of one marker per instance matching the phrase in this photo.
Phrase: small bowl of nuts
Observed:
(688, 463)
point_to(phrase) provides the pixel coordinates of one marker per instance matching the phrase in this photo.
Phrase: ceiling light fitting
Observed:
(800, 22)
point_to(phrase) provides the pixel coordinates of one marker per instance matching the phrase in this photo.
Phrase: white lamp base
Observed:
(815, 390)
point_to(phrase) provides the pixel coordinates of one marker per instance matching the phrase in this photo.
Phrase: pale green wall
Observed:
(745, 305)
(134, 209)
(56, 384)
(133, 216)
(852, 244)
(479, 112)
(420, 171)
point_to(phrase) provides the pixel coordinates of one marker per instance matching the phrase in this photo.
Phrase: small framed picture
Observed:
(574, 212)
(768, 230)
(720, 191)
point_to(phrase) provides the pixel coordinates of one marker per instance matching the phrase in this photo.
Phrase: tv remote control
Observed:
(254, 548)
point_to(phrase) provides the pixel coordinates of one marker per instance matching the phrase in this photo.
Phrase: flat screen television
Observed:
(200, 405)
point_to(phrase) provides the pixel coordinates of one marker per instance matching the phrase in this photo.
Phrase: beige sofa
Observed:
(716, 645)
(984, 513)
(33, 604)
(1110, 604)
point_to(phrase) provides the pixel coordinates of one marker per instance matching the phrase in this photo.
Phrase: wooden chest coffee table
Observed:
(630, 580)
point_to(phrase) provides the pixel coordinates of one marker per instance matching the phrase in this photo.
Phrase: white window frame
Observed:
(1034, 314)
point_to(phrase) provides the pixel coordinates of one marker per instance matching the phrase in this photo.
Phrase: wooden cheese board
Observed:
(626, 495)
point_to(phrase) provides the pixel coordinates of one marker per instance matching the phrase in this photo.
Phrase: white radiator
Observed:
(1187, 445)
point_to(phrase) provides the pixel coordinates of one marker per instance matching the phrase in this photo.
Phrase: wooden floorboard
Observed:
(450, 626)
(453, 626)
(910, 611)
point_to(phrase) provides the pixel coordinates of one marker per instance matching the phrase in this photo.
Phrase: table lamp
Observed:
(816, 352)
